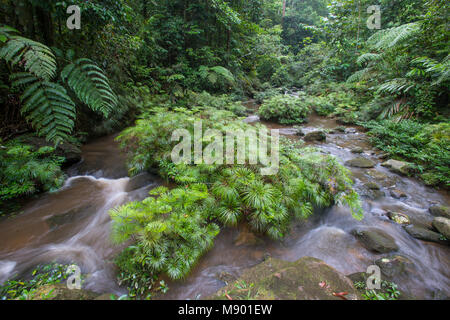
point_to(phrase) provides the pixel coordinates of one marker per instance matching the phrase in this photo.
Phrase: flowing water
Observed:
(72, 225)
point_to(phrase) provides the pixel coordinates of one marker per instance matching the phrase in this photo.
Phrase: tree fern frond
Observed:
(368, 57)
(385, 39)
(46, 106)
(90, 85)
(35, 57)
(360, 75)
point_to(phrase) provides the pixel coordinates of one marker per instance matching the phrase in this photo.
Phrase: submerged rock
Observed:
(305, 279)
(442, 225)
(315, 136)
(360, 162)
(372, 186)
(375, 240)
(422, 233)
(400, 167)
(440, 211)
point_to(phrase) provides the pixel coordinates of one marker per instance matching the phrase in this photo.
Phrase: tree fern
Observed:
(389, 38)
(90, 85)
(46, 105)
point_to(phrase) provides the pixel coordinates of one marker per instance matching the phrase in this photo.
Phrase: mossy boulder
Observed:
(440, 211)
(423, 234)
(315, 136)
(375, 240)
(61, 292)
(442, 225)
(400, 167)
(305, 279)
(360, 162)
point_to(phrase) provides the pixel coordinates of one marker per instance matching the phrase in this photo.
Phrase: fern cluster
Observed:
(45, 102)
(285, 109)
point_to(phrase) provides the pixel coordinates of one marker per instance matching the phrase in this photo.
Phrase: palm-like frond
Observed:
(90, 85)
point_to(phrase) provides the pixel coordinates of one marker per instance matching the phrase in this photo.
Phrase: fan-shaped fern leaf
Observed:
(90, 85)
(385, 39)
(47, 106)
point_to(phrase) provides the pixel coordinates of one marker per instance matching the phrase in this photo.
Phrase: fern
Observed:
(385, 39)
(46, 105)
(90, 85)
(35, 57)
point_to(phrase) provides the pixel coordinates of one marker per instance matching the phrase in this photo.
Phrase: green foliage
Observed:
(45, 103)
(285, 109)
(425, 145)
(25, 289)
(388, 291)
(24, 171)
(172, 230)
(223, 102)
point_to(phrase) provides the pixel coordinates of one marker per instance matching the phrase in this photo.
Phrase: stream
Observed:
(73, 225)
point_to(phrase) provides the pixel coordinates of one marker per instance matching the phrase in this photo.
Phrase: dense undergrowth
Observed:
(174, 228)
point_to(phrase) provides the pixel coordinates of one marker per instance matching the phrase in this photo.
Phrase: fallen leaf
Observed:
(322, 284)
(340, 295)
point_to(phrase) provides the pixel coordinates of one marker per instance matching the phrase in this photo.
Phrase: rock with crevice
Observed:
(399, 218)
(398, 194)
(305, 279)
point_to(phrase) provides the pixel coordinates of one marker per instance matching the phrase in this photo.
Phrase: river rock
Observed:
(372, 186)
(315, 136)
(443, 226)
(305, 279)
(440, 211)
(61, 292)
(357, 150)
(246, 238)
(398, 194)
(399, 218)
(422, 233)
(400, 167)
(375, 239)
(225, 277)
(360, 162)
(394, 266)
(141, 180)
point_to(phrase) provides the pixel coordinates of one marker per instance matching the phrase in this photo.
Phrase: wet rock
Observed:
(396, 268)
(305, 279)
(316, 136)
(372, 186)
(375, 239)
(422, 233)
(106, 297)
(383, 156)
(400, 167)
(350, 130)
(398, 194)
(360, 162)
(440, 211)
(357, 150)
(288, 131)
(399, 218)
(442, 225)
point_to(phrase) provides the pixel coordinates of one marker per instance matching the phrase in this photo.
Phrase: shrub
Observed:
(424, 144)
(285, 109)
(24, 171)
